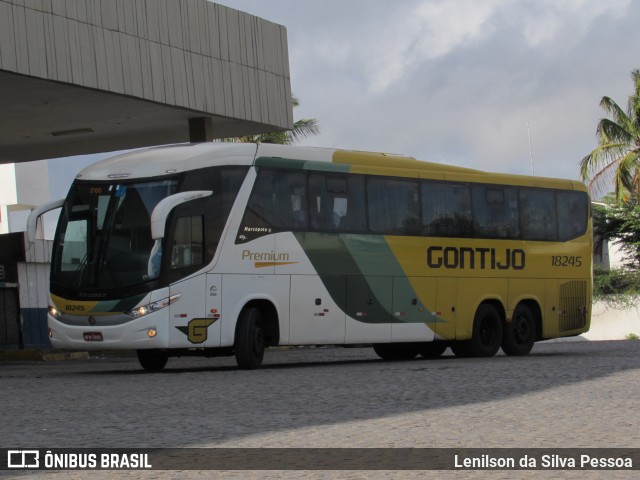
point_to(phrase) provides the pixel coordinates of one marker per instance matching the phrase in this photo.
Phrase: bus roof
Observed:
(159, 161)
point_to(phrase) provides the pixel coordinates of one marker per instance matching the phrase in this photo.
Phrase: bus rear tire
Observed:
(249, 342)
(396, 351)
(487, 331)
(152, 360)
(432, 349)
(520, 332)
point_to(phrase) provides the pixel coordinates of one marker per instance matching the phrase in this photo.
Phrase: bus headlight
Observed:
(54, 312)
(152, 307)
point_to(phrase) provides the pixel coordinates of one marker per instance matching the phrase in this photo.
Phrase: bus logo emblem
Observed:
(197, 329)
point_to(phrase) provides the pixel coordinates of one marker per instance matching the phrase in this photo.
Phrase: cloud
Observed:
(545, 22)
(388, 44)
(456, 81)
(426, 32)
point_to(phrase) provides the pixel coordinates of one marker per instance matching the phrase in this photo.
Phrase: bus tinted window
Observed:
(394, 206)
(538, 214)
(225, 183)
(278, 200)
(336, 202)
(495, 212)
(573, 213)
(446, 210)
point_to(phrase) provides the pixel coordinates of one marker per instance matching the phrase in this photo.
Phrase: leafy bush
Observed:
(618, 288)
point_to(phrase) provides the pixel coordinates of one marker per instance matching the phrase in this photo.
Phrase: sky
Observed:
(487, 84)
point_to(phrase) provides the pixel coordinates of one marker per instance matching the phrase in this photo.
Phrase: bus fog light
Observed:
(152, 332)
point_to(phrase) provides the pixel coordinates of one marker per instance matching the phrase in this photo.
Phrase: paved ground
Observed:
(613, 322)
(565, 394)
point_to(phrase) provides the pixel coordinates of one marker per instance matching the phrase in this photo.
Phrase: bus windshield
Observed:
(104, 237)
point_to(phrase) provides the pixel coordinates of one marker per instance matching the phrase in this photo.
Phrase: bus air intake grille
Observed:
(573, 305)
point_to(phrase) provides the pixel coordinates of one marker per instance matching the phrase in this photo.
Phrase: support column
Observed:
(200, 129)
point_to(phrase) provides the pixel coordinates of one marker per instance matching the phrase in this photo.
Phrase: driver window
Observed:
(188, 243)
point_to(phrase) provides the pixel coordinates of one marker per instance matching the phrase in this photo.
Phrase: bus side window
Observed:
(446, 210)
(352, 209)
(261, 206)
(188, 242)
(495, 212)
(290, 200)
(321, 200)
(336, 202)
(278, 200)
(538, 214)
(394, 206)
(573, 212)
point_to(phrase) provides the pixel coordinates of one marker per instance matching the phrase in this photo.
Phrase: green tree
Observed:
(616, 156)
(619, 223)
(305, 127)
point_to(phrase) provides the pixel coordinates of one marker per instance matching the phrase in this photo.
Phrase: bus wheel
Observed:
(395, 351)
(249, 343)
(487, 331)
(520, 332)
(432, 349)
(461, 348)
(152, 360)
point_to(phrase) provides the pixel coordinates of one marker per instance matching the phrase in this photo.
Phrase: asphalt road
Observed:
(564, 394)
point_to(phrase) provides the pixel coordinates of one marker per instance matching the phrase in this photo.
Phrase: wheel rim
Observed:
(522, 330)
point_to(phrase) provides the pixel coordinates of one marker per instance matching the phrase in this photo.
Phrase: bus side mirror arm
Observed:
(32, 221)
(163, 209)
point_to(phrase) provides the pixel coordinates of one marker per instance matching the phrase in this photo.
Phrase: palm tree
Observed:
(616, 158)
(302, 128)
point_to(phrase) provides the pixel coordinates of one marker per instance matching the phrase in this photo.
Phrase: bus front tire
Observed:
(520, 332)
(432, 349)
(462, 348)
(152, 360)
(249, 343)
(487, 331)
(395, 351)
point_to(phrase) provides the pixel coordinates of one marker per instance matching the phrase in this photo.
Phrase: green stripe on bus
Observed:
(277, 162)
(364, 267)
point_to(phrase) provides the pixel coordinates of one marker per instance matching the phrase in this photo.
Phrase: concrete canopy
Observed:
(81, 77)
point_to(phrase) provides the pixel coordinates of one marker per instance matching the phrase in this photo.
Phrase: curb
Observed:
(41, 356)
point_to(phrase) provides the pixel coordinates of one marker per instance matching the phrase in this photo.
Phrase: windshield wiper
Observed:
(78, 274)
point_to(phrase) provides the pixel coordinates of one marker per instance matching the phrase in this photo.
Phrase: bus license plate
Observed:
(92, 336)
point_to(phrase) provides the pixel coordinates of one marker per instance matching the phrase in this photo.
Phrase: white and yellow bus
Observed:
(227, 249)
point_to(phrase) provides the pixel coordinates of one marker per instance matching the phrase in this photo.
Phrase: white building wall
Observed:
(33, 280)
(32, 180)
(22, 187)
(8, 194)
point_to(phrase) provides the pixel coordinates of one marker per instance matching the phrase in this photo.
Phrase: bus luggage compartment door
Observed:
(316, 317)
(413, 301)
(369, 309)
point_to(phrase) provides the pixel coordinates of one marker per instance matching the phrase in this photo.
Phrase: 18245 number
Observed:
(566, 261)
